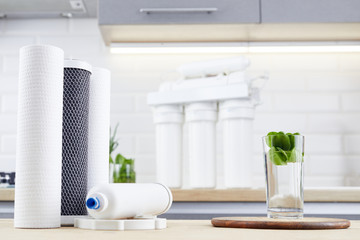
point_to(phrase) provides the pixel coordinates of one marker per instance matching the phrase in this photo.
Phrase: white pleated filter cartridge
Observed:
(39, 137)
(99, 121)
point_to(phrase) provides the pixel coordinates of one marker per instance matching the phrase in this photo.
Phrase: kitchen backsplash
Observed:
(315, 94)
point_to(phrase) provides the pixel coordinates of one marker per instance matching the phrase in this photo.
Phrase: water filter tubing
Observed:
(128, 200)
(169, 123)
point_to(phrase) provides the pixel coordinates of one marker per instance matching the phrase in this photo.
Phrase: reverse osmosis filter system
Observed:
(208, 91)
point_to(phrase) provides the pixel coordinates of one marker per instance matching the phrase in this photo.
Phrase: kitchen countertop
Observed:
(184, 229)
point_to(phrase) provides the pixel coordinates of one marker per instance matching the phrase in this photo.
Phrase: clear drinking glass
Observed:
(284, 178)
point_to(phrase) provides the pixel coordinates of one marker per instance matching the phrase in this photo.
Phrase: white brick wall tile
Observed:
(327, 165)
(306, 102)
(135, 82)
(10, 44)
(267, 122)
(323, 144)
(141, 104)
(353, 165)
(126, 145)
(286, 80)
(11, 64)
(122, 104)
(257, 143)
(142, 178)
(146, 145)
(323, 181)
(325, 123)
(304, 62)
(334, 123)
(258, 165)
(350, 61)
(9, 103)
(7, 123)
(259, 62)
(7, 163)
(72, 45)
(84, 26)
(8, 84)
(334, 81)
(134, 124)
(266, 104)
(8, 144)
(259, 181)
(351, 101)
(351, 122)
(352, 144)
(145, 164)
(36, 26)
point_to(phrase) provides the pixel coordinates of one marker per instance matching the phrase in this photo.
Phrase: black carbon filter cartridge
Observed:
(75, 139)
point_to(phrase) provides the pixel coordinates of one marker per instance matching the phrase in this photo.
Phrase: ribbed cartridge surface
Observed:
(75, 141)
(39, 131)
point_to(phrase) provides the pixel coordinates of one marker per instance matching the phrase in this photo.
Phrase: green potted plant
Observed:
(121, 168)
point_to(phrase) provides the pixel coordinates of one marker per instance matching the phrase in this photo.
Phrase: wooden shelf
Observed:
(341, 194)
(7, 194)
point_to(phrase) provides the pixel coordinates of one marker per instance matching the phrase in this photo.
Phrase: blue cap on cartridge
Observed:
(93, 203)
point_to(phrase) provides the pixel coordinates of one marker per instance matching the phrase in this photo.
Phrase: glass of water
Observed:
(284, 176)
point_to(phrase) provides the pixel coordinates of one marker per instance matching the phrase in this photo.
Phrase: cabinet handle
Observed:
(177, 10)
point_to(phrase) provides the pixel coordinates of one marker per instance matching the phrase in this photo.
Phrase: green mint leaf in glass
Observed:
(276, 157)
(269, 139)
(282, 154)
(295, 156)
(282, 147)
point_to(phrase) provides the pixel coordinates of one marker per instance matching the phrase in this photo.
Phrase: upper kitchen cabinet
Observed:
(308, 20)
(131, 21)
(178, 12)
(176, 21)
(310, 11)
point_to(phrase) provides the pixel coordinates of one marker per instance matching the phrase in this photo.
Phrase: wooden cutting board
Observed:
(270, 223)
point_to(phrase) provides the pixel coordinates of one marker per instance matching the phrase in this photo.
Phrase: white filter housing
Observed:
(237, 120)
(128, 200)
(169, 124)
(201, 120)
(214, 67)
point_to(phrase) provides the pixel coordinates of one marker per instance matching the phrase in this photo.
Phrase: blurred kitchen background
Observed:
(316, 94)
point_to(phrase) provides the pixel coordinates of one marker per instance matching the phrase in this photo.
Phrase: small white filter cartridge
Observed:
(201, 120)
(169, 124)
(237, 119)
(128, 200)
(99, 121)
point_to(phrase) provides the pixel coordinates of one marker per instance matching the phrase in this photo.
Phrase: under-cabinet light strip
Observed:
(263, 47)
